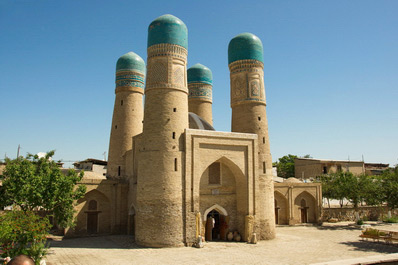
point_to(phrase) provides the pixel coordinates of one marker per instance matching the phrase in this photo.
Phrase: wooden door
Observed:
(92, 223)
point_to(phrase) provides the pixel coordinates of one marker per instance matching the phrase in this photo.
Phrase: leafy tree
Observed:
(390, 187)
(23, 233)
(285, 166)
(37, 183)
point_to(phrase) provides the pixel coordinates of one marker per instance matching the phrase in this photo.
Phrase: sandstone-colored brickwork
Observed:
(159, 220)
(126, 122)
(289, 198)
(249, 116)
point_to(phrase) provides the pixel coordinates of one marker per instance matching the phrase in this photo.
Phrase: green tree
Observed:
(23, 233)
(389, 183)
(34, 183)
(285, 166)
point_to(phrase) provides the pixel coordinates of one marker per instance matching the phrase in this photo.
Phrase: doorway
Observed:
(276, 212)
(213, 226)
(304, 215)
(92, 217)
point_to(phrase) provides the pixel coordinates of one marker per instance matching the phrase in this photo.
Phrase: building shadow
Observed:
(369, 246)
(100, 242)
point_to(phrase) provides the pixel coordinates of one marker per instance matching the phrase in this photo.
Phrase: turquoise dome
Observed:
(200, 73)
(130, 61)
(245, 46)
(168, 29)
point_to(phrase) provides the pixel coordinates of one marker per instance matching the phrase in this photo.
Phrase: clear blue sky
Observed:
(331, 71)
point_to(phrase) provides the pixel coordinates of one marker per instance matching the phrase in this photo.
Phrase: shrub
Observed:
(360, 222)
(393, 219)
(23, 233)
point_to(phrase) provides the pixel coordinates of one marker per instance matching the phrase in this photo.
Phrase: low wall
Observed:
(369, 213)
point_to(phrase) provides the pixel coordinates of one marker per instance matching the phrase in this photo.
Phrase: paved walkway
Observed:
(293, 245)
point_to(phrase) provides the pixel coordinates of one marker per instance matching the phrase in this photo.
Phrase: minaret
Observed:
(127, 112)
(160, 168)
(246, 65)
(200, 80)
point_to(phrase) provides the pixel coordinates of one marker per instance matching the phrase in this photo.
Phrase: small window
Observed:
(259, 118)
(264, 168)
(175, 110)
(215, 173)
(263, 140)
(92, 205)
(115, 126)
(118, 171)
(121, 102)
(174, 135)
(175, 164)
(325, 170)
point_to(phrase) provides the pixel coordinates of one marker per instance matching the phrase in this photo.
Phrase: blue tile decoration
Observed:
(168, 29)
(245, 46)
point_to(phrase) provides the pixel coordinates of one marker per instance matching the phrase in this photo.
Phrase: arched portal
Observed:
(304, 210)
(92, 217)
(281, 209)
(222, 199)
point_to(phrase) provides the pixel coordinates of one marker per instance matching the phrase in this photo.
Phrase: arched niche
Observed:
(281, 208)
(229, 198)
(305, 208)
(94, 215)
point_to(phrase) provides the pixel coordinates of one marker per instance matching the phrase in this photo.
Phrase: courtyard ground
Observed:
(327, 244)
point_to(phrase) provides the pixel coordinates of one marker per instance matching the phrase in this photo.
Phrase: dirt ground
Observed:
(326, 244)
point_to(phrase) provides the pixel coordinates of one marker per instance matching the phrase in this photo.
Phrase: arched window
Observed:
(92, 205)
(215, 173)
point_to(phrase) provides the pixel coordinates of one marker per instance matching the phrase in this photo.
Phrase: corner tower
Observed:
(246, 65)
(160, 169)
(200, 80)
(127, 112)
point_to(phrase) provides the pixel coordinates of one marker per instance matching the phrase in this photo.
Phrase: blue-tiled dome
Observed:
(130, 61)
(200, 73)
(168, 29)
(245, 46)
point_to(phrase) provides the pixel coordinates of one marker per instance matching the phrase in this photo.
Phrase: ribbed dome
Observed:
(200, 73)
(130, 61)
(168, 29)
(245, 46)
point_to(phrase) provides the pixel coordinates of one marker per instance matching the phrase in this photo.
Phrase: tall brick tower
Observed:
(159, 220)
(246, 65)
(200, 80)
(127, 112)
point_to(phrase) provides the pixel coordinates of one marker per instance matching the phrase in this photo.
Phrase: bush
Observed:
(393, 219)
(23, 233)
(360, 222)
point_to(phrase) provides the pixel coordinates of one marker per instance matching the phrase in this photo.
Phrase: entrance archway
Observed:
(304, 214)
(216, 223)
(276, 212)
(92, 217)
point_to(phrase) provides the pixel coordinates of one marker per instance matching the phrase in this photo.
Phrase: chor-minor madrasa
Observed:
(171, 177)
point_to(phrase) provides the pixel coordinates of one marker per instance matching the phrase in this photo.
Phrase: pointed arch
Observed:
(308, 197)
(216, 207)
(94, 194)
(304, 208)
(227, 161)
